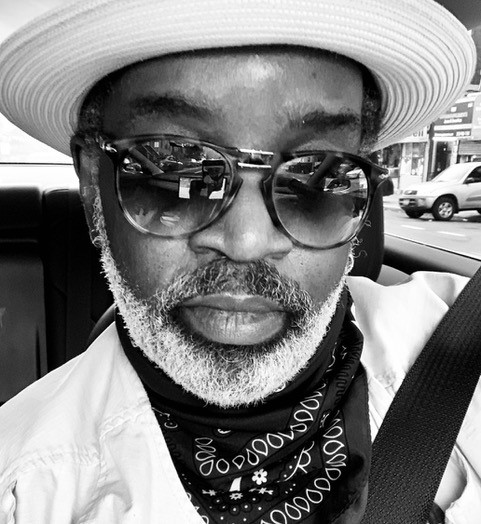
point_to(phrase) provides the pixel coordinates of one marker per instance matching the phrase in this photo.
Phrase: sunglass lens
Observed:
(171, 188)
(320, 199)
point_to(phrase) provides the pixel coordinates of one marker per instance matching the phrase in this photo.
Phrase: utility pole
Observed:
(430, 154)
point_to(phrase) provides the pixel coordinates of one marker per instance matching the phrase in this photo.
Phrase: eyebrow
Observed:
(321, 121)
(175, 105)
(171, 105)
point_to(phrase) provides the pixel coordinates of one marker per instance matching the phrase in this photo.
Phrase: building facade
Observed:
(454, 137)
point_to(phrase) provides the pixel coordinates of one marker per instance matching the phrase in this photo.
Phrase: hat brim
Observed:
(421, 56)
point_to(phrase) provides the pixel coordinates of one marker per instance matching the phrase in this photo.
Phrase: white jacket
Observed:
(83, 445)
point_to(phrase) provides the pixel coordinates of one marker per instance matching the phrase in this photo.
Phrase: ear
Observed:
(86, 165)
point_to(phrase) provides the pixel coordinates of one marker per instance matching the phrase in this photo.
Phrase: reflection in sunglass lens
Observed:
(320, 199)
(170, 187)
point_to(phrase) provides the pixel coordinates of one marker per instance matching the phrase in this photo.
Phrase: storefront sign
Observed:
(419, 136)
(459, 121)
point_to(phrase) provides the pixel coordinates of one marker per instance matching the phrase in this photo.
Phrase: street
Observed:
(462, 234)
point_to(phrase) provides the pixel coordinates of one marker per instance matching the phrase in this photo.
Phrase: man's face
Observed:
(266, 100)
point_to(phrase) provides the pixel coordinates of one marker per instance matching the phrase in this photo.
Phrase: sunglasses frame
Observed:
(237, 159)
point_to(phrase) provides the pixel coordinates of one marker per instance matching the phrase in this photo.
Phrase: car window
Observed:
(443, 213)
(475, 175)
(24, 160)
(443, 152)
(18, 147)
(451, 174)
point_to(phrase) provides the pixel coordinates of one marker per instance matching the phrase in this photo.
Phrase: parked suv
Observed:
(457, 188)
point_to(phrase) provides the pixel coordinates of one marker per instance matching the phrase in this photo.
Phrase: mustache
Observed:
(257, 278)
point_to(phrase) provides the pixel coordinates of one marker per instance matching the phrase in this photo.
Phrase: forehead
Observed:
(255, 88)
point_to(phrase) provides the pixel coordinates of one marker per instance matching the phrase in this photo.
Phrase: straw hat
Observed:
(421, 55)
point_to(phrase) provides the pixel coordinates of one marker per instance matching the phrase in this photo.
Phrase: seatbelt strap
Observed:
(416, 438)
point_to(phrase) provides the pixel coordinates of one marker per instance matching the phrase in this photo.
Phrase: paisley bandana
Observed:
(303, 455)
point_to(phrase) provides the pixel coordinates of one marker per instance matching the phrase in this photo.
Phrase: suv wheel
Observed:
(414, 214)
(443, 208)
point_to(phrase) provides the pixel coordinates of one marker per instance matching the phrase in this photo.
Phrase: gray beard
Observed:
(226, 376)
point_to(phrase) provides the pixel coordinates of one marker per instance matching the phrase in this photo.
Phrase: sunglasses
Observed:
(172, 186)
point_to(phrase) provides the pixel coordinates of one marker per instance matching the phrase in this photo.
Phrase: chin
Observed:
(225, 375)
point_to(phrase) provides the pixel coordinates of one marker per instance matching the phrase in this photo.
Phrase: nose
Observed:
(246, 231)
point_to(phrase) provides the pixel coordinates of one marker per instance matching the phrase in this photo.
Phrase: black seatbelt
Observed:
(414, 443)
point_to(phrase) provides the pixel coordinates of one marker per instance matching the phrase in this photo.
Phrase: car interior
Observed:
(54, 300)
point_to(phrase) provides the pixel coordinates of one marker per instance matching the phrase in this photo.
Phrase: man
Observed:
(218, 150)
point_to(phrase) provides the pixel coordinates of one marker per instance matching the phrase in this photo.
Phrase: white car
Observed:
(457, 188)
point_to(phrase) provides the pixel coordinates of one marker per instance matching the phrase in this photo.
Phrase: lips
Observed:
(233, 319)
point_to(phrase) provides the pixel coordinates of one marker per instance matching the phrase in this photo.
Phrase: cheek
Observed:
(318, 272)
(147, 263)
